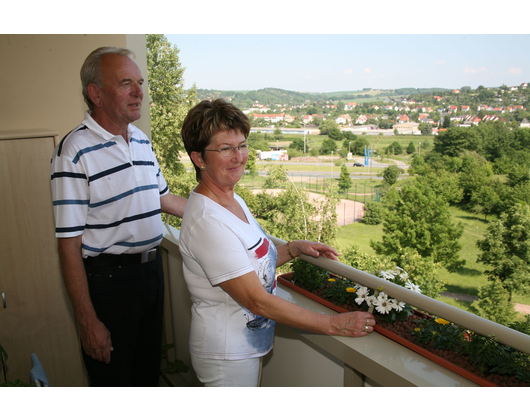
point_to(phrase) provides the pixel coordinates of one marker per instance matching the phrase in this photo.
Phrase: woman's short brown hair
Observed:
(207, 119)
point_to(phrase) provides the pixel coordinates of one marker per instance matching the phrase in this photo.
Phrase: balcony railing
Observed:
(300, 358)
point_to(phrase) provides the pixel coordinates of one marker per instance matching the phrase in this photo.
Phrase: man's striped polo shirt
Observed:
(107, 190)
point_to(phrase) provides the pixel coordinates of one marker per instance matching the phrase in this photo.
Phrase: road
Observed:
(325, 174)
(334, 171)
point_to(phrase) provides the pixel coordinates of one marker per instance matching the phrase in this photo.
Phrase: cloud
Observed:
(514, 70)
(468, 69)
(307, 77)
(440, 62)
(368, 74)
(348, 71)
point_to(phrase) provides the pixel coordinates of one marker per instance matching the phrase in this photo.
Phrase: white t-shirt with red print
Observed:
(217, 246)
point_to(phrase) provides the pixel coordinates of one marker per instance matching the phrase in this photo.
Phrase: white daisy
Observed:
(412, 286)
(382, 304)
(362, 295)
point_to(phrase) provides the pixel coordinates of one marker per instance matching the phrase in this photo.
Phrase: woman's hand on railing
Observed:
(313, 249)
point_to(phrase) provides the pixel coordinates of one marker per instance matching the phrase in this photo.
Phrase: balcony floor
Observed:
(171, 380)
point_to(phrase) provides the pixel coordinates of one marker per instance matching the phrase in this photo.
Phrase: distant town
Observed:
(371, 111)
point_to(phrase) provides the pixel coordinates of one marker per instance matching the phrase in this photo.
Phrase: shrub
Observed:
(374, 213)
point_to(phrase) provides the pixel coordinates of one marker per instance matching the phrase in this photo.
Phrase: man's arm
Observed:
(173, 204)
(95, 337)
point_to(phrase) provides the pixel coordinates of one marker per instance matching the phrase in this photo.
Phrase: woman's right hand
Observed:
(353, 324)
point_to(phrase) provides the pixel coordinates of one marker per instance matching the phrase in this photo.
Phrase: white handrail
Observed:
(485, 327)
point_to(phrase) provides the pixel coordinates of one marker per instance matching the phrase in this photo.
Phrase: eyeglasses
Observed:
(230, 151)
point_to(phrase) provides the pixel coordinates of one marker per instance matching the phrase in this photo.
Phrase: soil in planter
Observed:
(404, 329)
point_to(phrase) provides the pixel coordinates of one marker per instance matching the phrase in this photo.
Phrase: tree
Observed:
(421, 271)
(325, 218)
(169, 105)
(326, 126)
(251, 162)
(426, 129)
(169, 102)
(349, 136)
(485, 200)
(496, 138)
(374, 213)
(335, 134)
(395, 149)
(257, 141)
(357, 146)
(444, 183)
(298, 144)
(493, 303)
(506, 248)
(418, 165)
(277, 178)
(457, 140)
(291, 215)
(390, 175)
(328, 146)
(522, 138)
(345, 182)
(475, 173)
(518, 174)
(411, 148)
(416, 218)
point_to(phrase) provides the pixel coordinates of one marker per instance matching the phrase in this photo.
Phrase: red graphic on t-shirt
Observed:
(263, 249)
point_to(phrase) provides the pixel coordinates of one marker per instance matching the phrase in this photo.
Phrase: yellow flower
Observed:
(331, 279)
(417, 329)
(441, 321)
(351, 290)
(380, 288)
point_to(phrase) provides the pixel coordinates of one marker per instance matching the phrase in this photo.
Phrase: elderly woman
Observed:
(230, 264)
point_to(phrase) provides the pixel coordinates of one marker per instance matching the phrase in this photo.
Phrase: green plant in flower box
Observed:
(493, 357)
(309, 276)
(441, 333)
(336, 290)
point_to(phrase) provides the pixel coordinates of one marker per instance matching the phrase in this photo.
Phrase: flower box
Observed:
(398, 334)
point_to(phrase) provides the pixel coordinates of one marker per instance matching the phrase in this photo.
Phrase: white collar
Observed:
(100, 131)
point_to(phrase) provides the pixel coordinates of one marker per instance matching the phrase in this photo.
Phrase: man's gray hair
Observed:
(91, 69)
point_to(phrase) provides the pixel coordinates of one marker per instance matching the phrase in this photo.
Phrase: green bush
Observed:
(374, 213)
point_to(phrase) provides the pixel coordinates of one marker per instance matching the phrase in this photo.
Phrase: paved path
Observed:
(519, 307)
(348, 211)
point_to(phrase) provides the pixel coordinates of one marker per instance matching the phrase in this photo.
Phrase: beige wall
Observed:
(40, 86)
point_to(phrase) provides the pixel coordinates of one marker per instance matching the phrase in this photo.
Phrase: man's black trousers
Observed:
(129, 300)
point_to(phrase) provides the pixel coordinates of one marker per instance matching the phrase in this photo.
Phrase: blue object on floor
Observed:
(37, 375)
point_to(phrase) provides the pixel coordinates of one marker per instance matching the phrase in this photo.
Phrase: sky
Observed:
(350, 62)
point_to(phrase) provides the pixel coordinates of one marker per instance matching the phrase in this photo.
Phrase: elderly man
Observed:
(108, 195)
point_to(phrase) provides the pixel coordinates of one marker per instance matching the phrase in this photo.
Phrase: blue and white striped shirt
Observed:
(107, 190)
